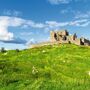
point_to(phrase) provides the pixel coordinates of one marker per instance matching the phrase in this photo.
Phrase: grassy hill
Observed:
(57, 67)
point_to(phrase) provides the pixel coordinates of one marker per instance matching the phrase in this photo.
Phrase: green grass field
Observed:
(57, 67)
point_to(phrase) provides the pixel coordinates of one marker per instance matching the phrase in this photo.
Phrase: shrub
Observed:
(17, 50)
(3, 50)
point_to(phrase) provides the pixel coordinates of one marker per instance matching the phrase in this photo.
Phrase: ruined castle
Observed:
(64, 37)
(59, 37)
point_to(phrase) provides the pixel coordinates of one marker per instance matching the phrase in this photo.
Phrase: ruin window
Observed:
(74, 36)
(64, 38)
(69, 42)
(55, 36)
(67, 33)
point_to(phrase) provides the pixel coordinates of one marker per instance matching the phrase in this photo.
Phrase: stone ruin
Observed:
(64, 37)
(59, 37)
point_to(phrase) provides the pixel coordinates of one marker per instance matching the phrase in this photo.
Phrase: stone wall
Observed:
(59, 37)
(85, 41)
(52, 36)
(64, 37)
(77, 41)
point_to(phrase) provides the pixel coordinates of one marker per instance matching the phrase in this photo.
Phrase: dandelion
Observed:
(5, 53)
(34, 70)
(89, 73)
(43, 51)
(64, 61)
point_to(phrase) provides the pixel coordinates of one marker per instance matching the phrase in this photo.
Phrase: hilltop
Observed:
(62, 37)
(51, 67)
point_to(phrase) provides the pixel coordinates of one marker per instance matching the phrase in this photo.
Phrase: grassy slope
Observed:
(58, 67)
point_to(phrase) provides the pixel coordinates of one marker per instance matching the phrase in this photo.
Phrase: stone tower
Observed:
(58, 35)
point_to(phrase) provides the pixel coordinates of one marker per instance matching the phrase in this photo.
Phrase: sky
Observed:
(23, 22)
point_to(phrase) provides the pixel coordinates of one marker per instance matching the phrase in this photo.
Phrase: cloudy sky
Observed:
(23, 22)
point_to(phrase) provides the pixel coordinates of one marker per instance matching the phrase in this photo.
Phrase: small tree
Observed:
(17, 50)
(3, 50)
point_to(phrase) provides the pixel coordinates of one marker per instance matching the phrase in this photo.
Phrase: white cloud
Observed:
(12, 13)
(59, 1)
(64, 11)
(34, 24)
(67, 10)
(80, 15)
(81, 0)
(85, 24)
(6, 22)
(53, 24)
(31, 41)
(80, 23)
(26, 33)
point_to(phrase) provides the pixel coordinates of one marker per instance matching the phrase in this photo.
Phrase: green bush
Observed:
(3, 50)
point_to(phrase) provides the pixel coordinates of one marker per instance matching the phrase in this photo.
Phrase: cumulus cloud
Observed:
(59, 1)
(6, 22)
(15, 41)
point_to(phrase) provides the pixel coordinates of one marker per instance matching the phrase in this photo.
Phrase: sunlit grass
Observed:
(57, 67)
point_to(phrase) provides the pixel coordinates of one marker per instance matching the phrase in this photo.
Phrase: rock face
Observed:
(64, 37)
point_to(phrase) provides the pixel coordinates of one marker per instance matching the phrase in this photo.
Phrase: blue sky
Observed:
(29, 21)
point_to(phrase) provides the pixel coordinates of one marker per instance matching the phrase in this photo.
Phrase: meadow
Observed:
(52, 67)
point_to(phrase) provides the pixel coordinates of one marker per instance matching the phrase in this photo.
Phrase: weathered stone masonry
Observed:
(64, 37)
(59, 37)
